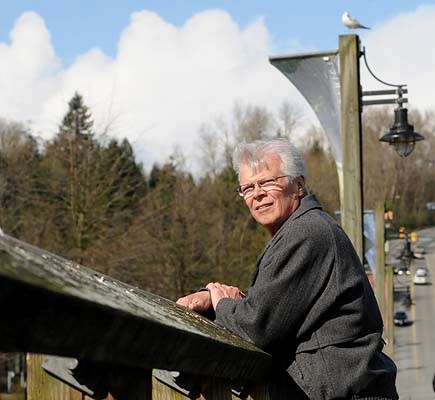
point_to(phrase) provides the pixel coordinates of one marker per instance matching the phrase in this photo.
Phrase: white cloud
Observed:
(162, 84)
(400, 51)
(166, 80)
(28, 69)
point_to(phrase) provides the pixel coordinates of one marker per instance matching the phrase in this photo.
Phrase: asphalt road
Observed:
(414, 345)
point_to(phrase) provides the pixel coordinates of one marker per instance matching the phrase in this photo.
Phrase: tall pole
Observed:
(389, 310)
(352, 205)
(380, 257)
(384, 280)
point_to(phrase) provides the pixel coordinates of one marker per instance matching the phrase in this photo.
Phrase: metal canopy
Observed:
(317, 77)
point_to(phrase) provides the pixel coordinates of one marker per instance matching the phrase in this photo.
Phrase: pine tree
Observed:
(70, 162)
(77, 121)
(93, 190)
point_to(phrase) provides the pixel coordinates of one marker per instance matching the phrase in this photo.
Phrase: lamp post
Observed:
(330, 82)
(401, 134)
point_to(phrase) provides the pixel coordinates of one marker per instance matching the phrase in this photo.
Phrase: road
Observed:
(414, 345)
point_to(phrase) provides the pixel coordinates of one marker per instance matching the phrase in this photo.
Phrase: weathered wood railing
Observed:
(121, 335)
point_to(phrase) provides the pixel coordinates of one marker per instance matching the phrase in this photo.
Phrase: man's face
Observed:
(271, 207)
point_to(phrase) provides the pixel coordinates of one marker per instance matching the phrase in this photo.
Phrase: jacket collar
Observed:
(308, 203)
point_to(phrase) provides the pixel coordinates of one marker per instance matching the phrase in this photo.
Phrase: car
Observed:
(401, 318)
(422, 269)
(419, 252)
(403, 271)
(421, 277)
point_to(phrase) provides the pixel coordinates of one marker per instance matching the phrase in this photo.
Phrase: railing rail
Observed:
(54, 306)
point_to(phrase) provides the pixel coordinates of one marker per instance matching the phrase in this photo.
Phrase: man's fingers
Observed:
(225, 290)
(181, 301)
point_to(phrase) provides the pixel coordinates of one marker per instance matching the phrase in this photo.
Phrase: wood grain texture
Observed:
(161, 391)
(62, 308)
(215, 389)
(380, 257)
(389, 312)
(41, 385)
(352, 207)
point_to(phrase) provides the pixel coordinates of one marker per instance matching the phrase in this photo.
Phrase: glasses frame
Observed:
(259, 183)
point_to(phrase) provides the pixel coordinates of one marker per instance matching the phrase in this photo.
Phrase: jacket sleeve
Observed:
(298, 268)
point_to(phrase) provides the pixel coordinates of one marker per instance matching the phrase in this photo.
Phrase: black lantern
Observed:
(401, 135)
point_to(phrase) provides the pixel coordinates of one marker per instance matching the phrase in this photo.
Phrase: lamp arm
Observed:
(374, 76)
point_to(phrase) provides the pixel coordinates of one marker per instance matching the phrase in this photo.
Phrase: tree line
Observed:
(84, 196)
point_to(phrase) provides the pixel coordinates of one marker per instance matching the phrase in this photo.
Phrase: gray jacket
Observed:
(311, 306)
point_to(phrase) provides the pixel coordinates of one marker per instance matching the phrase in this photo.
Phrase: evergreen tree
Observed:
(77, 121)
(19, 163)
(92, 190)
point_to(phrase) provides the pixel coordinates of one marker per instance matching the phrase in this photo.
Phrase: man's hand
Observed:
(219, 291)
(199, 301)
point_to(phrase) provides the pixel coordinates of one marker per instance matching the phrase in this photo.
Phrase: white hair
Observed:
(252, 154)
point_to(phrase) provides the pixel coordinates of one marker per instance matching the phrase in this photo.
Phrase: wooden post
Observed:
(215, 389)
(389, 311)
(130, 384)
(161, 391)
(40, 385)
(380, 257)
(384, 280)
(352, 206)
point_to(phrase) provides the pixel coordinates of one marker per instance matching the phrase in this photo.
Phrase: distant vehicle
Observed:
(419, 252)
(401, 318)
(403, 271)
(422, 269)
(421, 277)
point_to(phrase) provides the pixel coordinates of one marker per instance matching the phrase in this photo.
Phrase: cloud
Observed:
(28, 69)
(162, 84)
(165, 80)
(399, 52)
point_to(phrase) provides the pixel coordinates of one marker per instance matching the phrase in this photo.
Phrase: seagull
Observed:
(351, 23)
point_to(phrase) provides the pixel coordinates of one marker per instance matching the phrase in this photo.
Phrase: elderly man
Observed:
(310, 304)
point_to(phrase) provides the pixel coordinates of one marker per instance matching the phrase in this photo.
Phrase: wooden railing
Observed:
(114, 341)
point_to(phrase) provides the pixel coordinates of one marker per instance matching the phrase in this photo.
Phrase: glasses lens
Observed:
(268, 183)
(247, 190)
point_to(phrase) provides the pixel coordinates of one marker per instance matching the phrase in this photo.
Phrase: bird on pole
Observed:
(352, 23)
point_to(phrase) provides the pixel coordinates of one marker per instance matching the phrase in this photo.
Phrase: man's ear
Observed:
(300, 181)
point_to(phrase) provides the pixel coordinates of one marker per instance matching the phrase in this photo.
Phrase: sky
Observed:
(155, 71)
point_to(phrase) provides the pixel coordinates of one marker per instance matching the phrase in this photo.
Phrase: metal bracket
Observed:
(85, 377)
(399, 100)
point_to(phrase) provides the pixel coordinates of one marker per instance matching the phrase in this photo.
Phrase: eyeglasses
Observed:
(247, 191)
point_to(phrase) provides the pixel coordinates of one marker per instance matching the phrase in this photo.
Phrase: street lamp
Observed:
(330, 82)
(401, 134)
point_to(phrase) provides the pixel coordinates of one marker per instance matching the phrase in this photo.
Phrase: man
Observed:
(310, 304)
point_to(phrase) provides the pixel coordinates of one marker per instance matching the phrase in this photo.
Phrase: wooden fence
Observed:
(114, 341)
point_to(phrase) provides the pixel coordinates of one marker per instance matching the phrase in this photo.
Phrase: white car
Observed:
(421, 277)
(419, 252)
